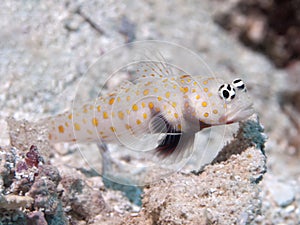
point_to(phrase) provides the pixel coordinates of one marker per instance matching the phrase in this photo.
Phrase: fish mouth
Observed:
(237, 114)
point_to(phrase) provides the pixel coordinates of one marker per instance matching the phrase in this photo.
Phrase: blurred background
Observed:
(47, 46)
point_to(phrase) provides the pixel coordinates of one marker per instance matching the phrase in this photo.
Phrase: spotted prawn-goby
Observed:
(171, 108)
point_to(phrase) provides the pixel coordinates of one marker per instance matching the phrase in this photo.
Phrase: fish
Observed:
(160, 112)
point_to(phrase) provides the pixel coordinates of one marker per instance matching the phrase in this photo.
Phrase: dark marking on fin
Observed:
(170, 142)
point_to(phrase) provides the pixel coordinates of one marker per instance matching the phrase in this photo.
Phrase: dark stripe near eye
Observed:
(237, 81)
(241, 87)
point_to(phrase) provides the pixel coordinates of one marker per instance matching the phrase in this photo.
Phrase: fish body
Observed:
(177, 106)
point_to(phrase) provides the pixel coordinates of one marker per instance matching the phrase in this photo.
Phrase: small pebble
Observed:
(290, 208)
(282, 194)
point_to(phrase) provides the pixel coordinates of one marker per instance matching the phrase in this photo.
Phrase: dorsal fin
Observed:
(123, 86)
(154, 65)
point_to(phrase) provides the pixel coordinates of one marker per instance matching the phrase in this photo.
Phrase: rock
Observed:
(36, 218)
(222, 194)
(85, 201)
(283, 194)
(225, 192)
(14, 202)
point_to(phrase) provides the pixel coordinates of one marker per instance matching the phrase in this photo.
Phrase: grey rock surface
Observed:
(223, 194)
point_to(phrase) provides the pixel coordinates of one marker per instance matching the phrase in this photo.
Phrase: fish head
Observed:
(215, 102)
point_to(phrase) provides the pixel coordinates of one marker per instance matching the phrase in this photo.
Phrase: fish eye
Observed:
(239, 84)
(226, 92)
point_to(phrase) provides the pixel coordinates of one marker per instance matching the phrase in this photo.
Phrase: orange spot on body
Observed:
(85, 110)
(105, 115)
(98, 108)
(168, 94)
(148, 83)
(204, 104)
(95, 122)
(145, 115)
(184, 89)
(76, 126)
(206, 114)
(146, 92)
(138, 122)
(151, 105)
(111, 101)
(135, 107)
(121, 115)
(61, 129)
(128, 127)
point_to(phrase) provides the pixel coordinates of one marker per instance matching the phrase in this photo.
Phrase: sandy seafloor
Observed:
(46, 48)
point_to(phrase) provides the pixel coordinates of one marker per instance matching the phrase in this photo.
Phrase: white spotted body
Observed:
(156, 103)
